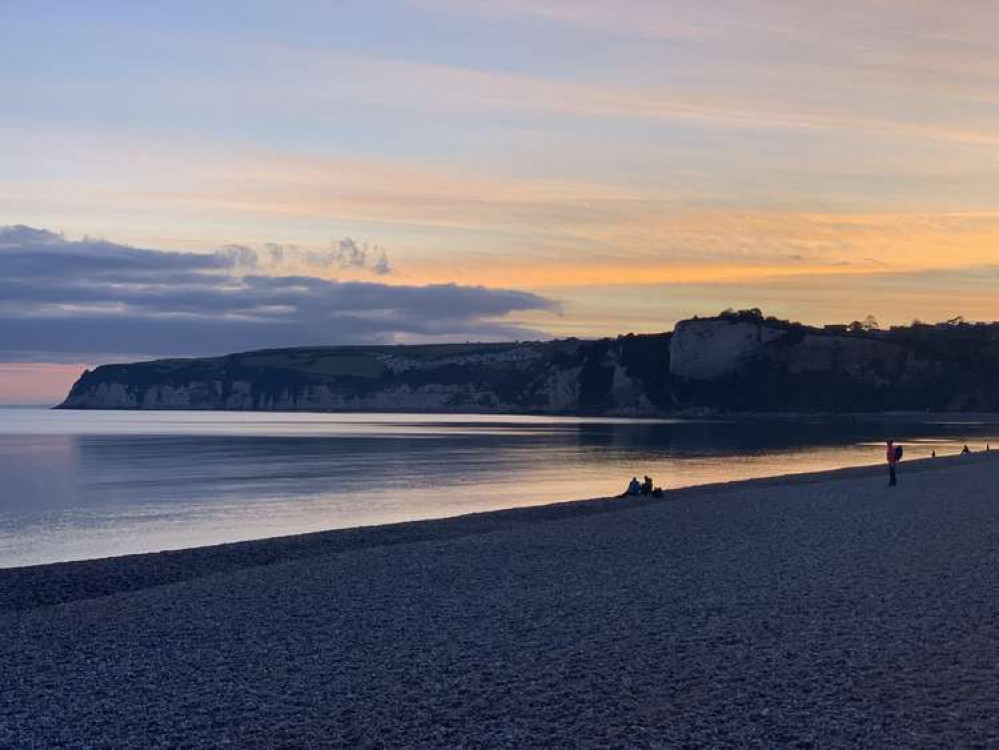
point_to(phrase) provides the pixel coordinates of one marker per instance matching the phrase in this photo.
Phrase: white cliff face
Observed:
(704, 349)
(113, 396)
(559, 392)
(772, 366)
(561, 389)
(627, 395)
(242, 397)
(195, 395)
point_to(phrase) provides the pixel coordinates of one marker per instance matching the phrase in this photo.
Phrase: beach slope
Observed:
(817, 611)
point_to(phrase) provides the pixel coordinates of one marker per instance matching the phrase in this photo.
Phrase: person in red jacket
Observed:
(894, 455)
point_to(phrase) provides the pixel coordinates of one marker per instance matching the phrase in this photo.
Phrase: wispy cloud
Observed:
(446, 224)
(555, 144)
(893, 298)
(340, 256)
(759, 105)
(846, 91)
(917, 21)
(884, 69)
(644, 18)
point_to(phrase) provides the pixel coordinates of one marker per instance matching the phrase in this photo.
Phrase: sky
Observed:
(191, 178)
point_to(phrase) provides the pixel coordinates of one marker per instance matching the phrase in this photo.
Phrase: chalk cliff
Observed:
(750, 363)
(622, 376)
(702, 349)
(733, 362)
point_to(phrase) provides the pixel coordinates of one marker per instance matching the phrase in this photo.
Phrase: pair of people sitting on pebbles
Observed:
(645, 487)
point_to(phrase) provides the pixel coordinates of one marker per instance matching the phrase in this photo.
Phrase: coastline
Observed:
(29, 586)
(810, 610)
(687, 413)
(239, 464)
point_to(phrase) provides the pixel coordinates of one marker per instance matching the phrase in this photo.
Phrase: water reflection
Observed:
(89, 484)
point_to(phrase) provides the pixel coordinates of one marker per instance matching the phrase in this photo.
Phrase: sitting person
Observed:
(634, 487)
(657, 492)
(647, 486)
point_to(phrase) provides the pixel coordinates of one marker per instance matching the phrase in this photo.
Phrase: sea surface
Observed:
(84, 484)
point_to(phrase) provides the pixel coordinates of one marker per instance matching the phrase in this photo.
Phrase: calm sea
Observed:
(82, 484)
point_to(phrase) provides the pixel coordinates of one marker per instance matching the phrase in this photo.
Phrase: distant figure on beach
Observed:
(634, 487)
(658, 493)
(894, 455)
(933, 454)
(647, 485)
(965, 450)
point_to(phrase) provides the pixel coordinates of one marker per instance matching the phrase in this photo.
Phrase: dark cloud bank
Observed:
(62, 299)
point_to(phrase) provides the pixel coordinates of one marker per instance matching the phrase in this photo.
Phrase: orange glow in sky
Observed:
(634, 162)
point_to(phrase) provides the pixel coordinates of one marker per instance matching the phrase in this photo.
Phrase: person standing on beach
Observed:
(894, 455)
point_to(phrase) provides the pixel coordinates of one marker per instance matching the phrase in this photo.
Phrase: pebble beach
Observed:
(813, 611)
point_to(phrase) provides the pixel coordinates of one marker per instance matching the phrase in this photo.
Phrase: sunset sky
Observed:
(198, 177)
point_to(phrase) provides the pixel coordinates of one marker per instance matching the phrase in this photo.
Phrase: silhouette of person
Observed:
(893, 455)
